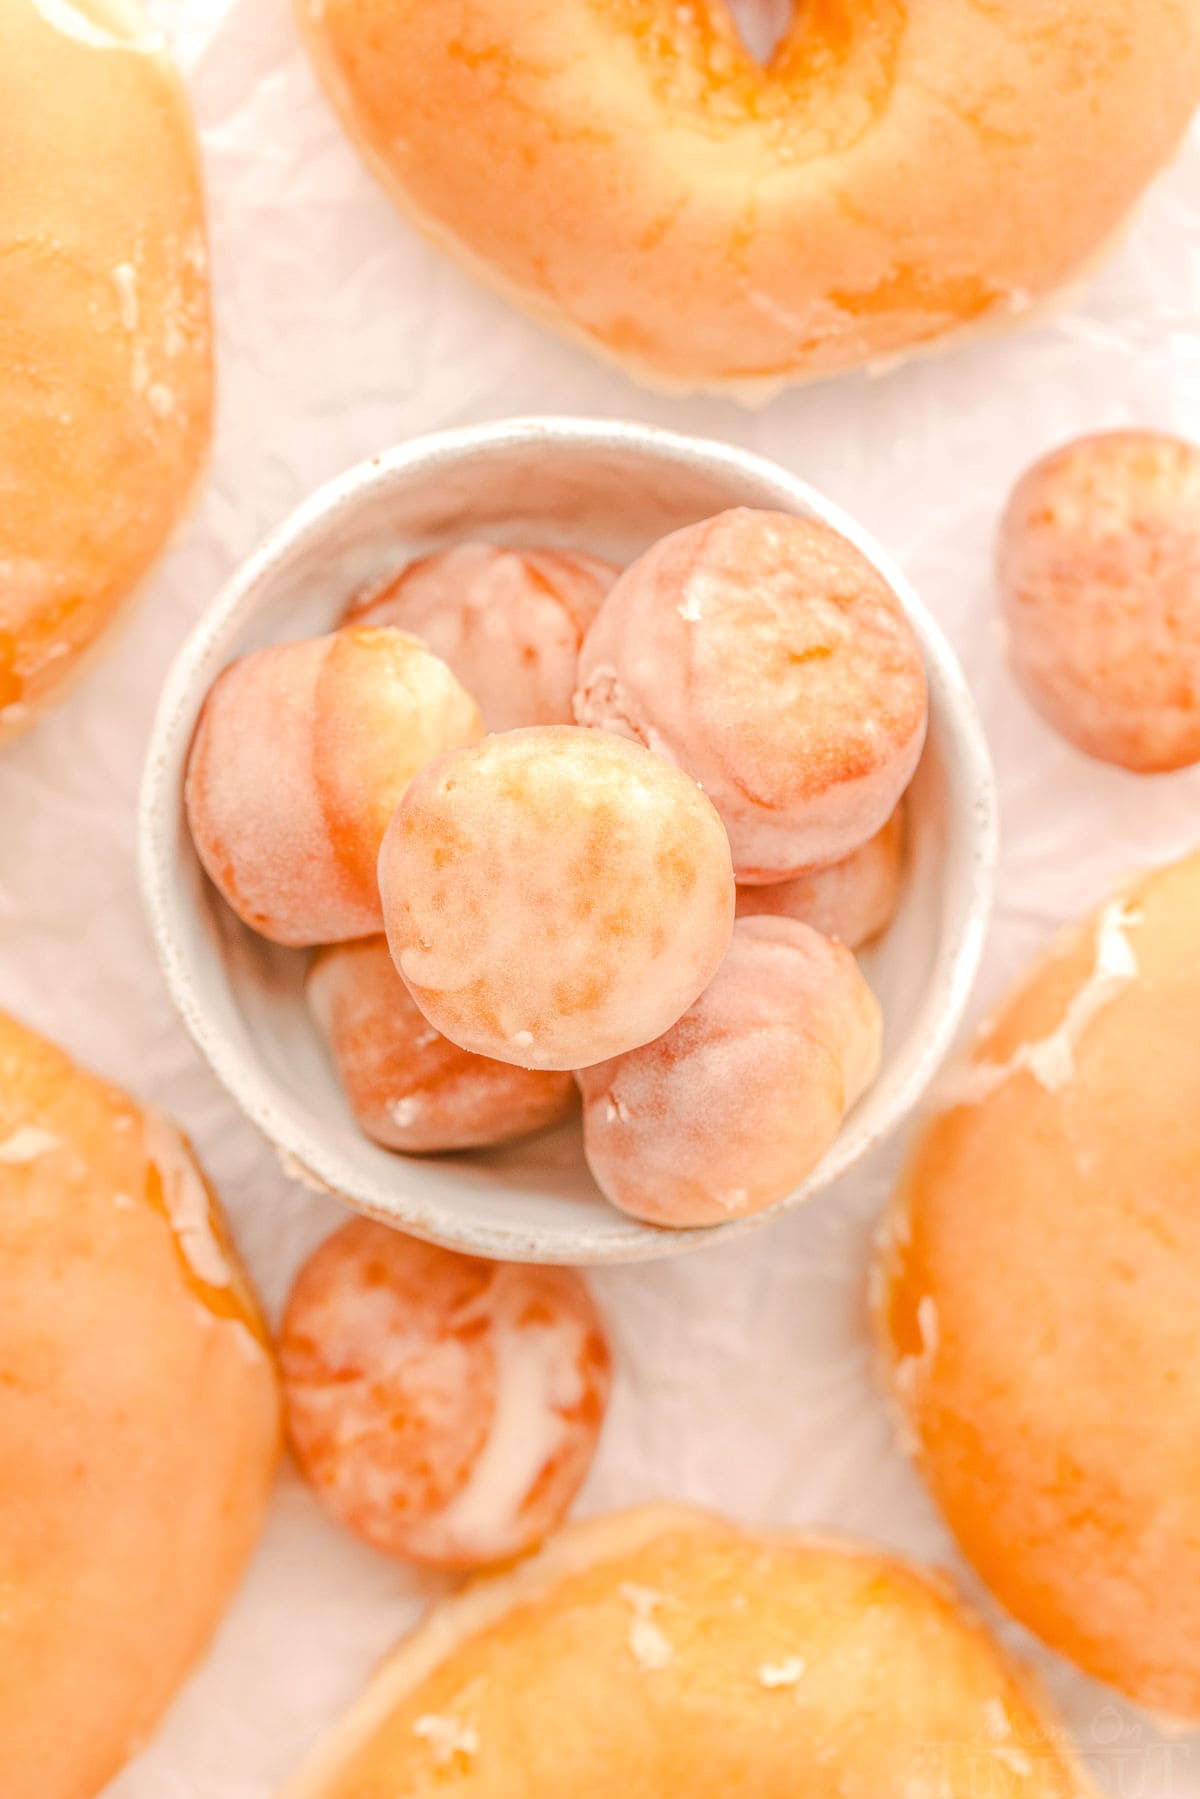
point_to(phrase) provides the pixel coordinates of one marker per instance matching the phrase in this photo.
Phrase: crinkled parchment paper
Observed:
(745, 1376)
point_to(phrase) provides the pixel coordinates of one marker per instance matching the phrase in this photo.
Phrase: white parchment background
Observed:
(744, 1375)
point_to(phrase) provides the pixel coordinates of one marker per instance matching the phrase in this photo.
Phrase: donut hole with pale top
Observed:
(443, 1408)
(1099, 574)
(553, 896)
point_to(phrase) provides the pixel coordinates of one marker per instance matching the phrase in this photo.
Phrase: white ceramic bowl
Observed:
(612, 489)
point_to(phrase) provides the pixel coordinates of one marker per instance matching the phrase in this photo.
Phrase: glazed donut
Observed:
(555, 896)
(509, 623)
(409, 1087)
(139, 1421)
(1037, 1297)
(730, 1110)
(852, 901)
(106, 394)
(898, 172)
(665, 1652)
(301, 755)
(444, 1408)
(1099, 570)
(765, 655)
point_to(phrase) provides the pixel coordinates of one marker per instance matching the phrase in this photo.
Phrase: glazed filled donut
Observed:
(728, 1112)
(1038, 1297)
(105, 353)
(852, 900)
(139, 1421)
(765, 655)
(665, 1652)
(555, 896)
(301, 754)
(1099, 568)
(898, 172)
(508, 622)
(409, 1087)
(444, 1408)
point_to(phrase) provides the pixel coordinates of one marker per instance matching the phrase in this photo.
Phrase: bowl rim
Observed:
(202, 653)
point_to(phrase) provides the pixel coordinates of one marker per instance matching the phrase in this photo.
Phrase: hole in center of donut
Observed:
(761, 24)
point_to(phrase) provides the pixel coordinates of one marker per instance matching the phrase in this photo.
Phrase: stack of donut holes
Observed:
(656, 905)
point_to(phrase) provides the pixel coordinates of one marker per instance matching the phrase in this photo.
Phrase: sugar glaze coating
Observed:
(301, 755)
(766, 656)
(442, 1407)
(728, 1112)
(509, 622)
(409, 1087)
(553, 896)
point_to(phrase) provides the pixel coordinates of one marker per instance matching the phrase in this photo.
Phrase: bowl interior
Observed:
(613, 491)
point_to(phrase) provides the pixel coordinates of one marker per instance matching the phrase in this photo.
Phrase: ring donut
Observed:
(664, 1651)
(629, 173)
(106, 391)
(139, 1421)
(1052, 1401)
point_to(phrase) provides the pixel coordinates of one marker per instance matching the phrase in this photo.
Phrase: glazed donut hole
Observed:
(444, 1409)
(765, 655)
(302, 753)
(730, 1110)
(608, 859)
(409, 1087)
(1099, 576)
(508, 622)
(852, 901)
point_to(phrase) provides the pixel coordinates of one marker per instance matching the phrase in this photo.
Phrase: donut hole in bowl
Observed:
(612, 490)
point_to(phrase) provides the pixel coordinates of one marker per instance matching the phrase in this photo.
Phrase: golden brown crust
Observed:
(106, 400)
(1037, 1297)
(138, 1404)
(664, 1651)
(903, 169)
